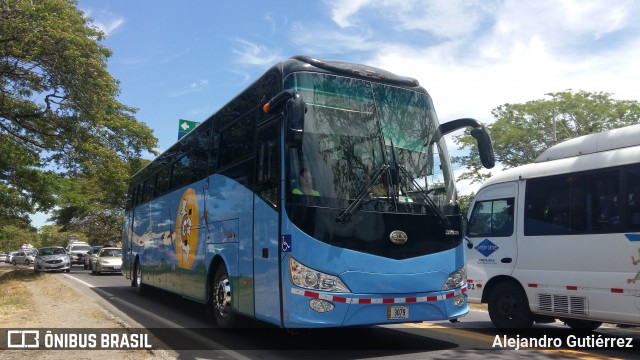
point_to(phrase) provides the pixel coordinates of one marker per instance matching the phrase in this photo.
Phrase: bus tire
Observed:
(580, 324)
(137, 279)
(509, 308)
(220, 299)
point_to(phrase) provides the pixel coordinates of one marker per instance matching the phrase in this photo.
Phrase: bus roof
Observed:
(580, 154)
(593, 143)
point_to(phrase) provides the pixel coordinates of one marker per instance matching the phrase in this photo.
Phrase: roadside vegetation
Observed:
(15, 299)
(68, 145)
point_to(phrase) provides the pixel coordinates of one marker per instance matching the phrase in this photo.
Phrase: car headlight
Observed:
(308, 278)
(456, 279)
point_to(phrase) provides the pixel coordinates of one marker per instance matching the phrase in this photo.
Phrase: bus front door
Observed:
(266, 226)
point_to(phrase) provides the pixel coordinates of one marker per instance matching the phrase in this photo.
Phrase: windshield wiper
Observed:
(426, 197)
(428, 200)
(345, 216)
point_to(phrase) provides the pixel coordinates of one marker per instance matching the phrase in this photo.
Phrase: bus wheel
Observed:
(220, 299)
(579, 324)
(137, 279)
(508, 307)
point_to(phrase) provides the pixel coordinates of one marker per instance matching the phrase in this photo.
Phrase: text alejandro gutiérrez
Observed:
(593, 341)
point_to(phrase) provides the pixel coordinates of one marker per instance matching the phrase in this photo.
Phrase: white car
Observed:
(77, 251)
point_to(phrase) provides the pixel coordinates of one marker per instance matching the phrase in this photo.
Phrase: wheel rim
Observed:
(222, 296)
(508, 306)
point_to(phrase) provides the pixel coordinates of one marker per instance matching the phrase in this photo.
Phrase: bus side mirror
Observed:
(295, 109)
(479, 132)
(485, 147)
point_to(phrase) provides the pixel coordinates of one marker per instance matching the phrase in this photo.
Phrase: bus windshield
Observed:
(366, 142)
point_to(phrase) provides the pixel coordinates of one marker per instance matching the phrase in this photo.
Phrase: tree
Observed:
(465, 202)
(50, 235)
(13, 237)
(94, 203)
(521, 132)
(59, 115)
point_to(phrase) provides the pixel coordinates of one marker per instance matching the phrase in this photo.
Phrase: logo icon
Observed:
(23, 339)
(398, 237)
(486, 247)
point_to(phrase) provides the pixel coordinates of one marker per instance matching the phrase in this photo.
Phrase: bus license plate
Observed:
(397, 312)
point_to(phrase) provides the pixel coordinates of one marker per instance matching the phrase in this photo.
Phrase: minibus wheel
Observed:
(580, 324)
(509, 308)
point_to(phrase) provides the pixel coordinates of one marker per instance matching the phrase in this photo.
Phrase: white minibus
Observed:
(560, 238)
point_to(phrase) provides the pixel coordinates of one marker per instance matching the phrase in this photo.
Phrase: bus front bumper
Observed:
(309, 309)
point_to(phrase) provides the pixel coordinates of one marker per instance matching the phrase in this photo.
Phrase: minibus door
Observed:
(491, 233)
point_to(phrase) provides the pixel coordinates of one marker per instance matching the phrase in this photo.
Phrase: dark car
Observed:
(91, 256)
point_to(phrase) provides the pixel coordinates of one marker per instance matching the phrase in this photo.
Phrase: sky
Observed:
(186, 59)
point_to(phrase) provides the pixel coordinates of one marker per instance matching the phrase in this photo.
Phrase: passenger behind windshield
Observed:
(305, 187)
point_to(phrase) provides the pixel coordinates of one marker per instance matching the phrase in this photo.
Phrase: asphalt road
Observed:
(179, 326)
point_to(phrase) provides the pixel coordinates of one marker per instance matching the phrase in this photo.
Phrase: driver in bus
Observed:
(305, 184)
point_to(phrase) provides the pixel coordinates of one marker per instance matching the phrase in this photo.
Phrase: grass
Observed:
(14, 296)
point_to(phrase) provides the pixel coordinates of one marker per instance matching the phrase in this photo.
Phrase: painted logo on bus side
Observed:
(187, 229)
(486, 247)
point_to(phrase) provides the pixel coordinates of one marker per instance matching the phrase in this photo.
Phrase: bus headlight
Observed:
(308, 278)
(456, 279)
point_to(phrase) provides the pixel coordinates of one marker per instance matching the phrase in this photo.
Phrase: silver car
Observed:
(52, 258)
(10, 257)
(109, 260)
(24, 257)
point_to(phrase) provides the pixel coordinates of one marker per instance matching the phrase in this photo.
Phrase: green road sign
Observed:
(185, 127)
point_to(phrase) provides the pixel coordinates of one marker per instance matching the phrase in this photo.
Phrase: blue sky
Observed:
(186, 59)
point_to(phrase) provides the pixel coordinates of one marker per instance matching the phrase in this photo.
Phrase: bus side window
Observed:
(180, 175)
(200, 155)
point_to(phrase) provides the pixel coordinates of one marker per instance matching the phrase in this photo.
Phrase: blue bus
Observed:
(321, 196)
